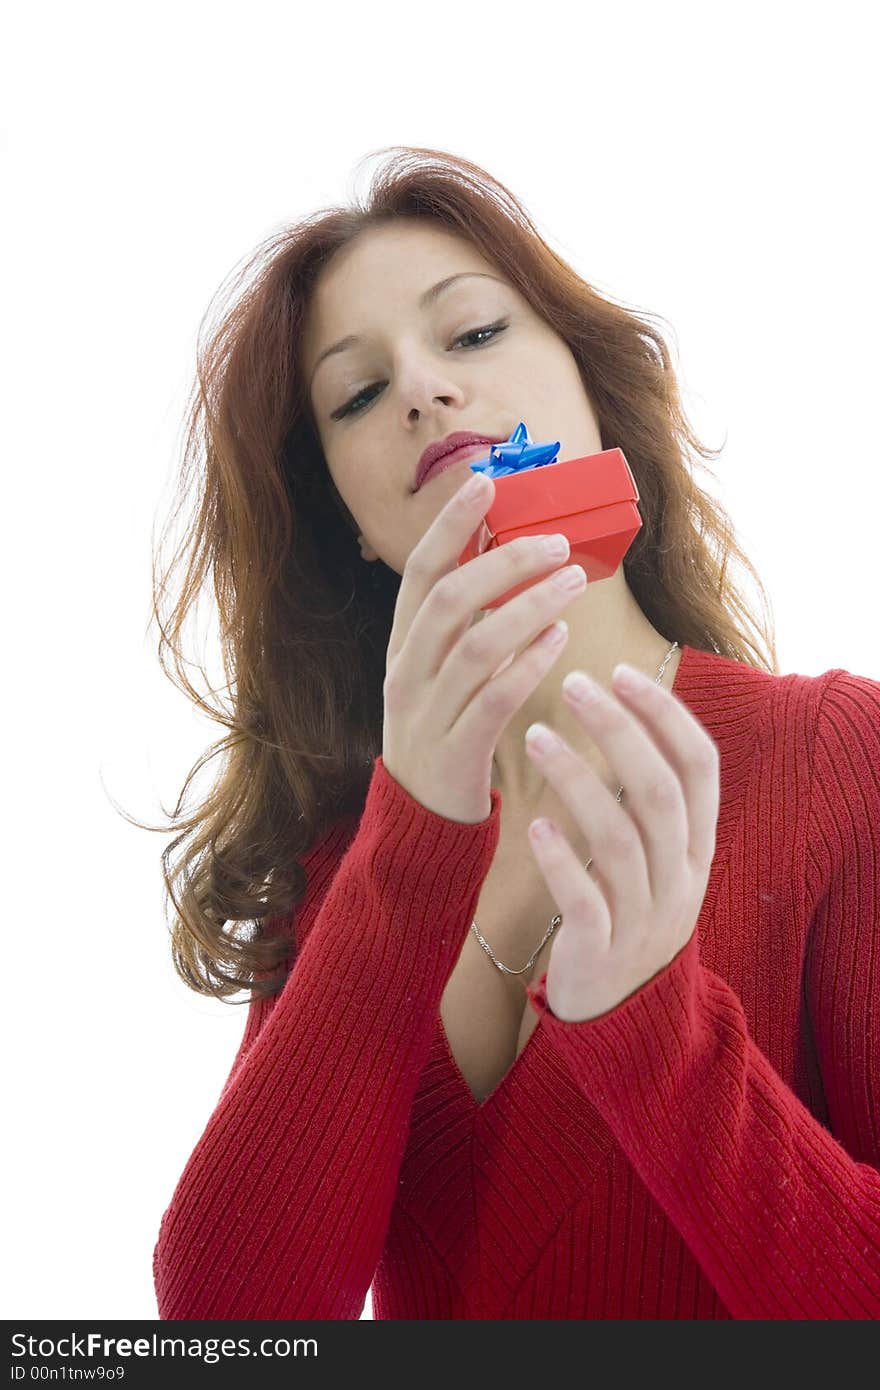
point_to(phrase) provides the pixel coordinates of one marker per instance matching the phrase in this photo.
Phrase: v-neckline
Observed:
(533, 1044)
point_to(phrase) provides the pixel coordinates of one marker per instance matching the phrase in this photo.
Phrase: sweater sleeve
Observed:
(782, 1213)
(283, 1206)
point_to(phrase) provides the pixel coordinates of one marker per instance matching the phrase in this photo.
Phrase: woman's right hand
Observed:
(446, 701)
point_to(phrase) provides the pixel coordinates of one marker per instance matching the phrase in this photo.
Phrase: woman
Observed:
(625, 1070)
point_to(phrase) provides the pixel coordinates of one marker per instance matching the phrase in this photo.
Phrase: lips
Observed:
(445, 452)
(447, 461)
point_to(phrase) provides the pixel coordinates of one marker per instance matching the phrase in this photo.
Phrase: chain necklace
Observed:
(554, 921)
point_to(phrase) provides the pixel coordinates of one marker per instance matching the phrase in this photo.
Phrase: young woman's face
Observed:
(409, 380)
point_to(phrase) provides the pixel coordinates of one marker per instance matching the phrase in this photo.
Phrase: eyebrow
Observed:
(424, 301)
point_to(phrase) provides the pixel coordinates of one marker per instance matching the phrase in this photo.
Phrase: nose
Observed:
(426, 377)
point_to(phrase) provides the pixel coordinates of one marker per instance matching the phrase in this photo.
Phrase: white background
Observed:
(713, 165)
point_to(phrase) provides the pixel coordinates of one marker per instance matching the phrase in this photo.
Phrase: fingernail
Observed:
(556, 545)
(572, 577)
(628, 678)
(580, 687)
(542, 829)
(473, 488)
(537, 736)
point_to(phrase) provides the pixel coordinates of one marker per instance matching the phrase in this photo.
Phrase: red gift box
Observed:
(591, 499)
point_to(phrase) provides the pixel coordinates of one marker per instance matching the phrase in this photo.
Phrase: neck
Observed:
(605, 626)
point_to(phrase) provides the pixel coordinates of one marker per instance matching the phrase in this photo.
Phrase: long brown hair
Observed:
(304, 623)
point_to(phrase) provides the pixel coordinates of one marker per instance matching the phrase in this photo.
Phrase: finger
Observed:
(451, 594)
(437, 554)
(616, 845)
(689, 750)
(580, 901)
(655, 802)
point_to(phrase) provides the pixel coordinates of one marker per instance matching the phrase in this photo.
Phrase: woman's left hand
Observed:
(627, 918)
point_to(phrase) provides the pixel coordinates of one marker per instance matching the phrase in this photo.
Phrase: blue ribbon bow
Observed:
(515, 455)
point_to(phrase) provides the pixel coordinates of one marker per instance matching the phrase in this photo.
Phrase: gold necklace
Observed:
(554, 921)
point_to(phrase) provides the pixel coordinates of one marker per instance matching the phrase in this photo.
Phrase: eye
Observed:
(351, 406)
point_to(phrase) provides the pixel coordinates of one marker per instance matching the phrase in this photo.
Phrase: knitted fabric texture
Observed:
(709, 1148)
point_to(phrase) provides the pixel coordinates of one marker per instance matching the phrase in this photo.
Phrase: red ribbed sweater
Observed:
(710, 1148)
